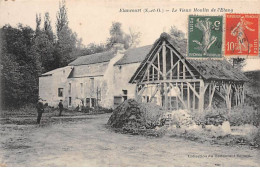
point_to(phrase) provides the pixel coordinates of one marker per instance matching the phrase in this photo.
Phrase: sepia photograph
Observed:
(129, 83)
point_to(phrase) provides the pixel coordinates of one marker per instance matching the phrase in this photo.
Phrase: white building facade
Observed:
(100, 79)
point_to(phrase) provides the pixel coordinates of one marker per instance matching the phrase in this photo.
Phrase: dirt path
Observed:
(87, 142)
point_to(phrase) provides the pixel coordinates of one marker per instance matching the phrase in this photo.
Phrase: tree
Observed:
(19, 66)
(237, 63)
(38, 24)
(179, 40)
(134, 38)
(47, 29)
(44, 43)
(62, 18)
(117, 36)
(66, 39)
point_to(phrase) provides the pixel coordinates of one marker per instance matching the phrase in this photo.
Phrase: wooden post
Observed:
(227, 88)
(136, 91)
(153, 74)
(236, 93)
(188, 96)
(193, 100)
(159, 67)
(182, 90)
(164, 76)
(201, 96)
(243, 94)
(177, 101)
(178, 70)
(183, 69)
(211, 94)
(171, 63)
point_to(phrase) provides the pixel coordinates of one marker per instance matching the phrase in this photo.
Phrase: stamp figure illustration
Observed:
(205, 36)
(241, 35)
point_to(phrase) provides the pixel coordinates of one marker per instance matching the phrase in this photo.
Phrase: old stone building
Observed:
(155, 73)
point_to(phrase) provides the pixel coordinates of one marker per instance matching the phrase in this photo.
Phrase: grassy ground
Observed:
(85, 140)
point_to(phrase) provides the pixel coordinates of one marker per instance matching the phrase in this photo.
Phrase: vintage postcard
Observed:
(129, 83)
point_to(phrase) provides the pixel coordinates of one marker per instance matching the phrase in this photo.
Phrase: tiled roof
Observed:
(93, 58)
(134, 55)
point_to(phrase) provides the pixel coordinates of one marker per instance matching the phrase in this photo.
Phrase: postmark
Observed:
(205, 36)
(241, 35)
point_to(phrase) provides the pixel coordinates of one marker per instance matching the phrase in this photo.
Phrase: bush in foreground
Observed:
(133, 115)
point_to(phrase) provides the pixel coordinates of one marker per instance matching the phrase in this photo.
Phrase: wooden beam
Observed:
(201, 97)
(171, 64)
(152, 61)
(227, 89)
(185, 106)
(164, 76)
(159, 67)
(220, 95)
(136, 91)
(177, 101)
(159, 72)
(188, 96)
(182, 89)
(178, 70)
(153, 74)
(236, 94)
(171, 81)
(193, 89)
(170, 71)
(243, 94)
(147, 59)
(183, 72)
(140, 93)
(154, 93)
(194, 99)
(145, 74)
(211, 93)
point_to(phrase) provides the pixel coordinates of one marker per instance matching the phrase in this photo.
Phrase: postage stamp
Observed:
(205, 36)
(241, 35)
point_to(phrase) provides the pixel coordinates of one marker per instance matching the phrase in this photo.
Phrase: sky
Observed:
(91, 19)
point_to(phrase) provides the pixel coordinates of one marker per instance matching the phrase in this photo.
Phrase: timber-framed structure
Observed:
(168, 79)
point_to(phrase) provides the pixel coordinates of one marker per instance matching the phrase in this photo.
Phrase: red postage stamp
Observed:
(242, 35)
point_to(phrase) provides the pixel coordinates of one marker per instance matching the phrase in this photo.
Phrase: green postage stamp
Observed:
(205, 36)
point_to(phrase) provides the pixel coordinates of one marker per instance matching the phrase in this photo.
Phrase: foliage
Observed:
(179, 40)
(118, 36)
(237, 63)
(214, 116)
(66, 39)
(20, 66)
(257, 138)
(244, 114)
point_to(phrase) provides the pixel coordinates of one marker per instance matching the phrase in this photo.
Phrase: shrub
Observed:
(211, 117)
(257, 138)
(244, 114)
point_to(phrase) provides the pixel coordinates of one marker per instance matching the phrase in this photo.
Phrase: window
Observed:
(88, 102)
(60, 92)
(93, 102)
(81, 88)
(69, 88)
(92, 84)
(69, 101)
(124, 94)
(117, 101)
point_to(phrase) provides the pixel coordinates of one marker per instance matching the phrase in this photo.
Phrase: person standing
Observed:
(60, 107)
(40, 110)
